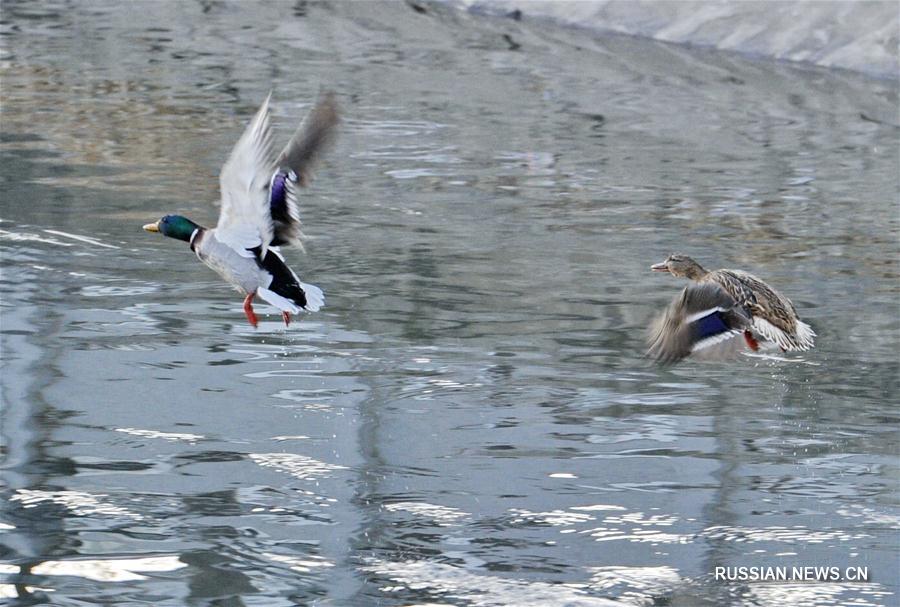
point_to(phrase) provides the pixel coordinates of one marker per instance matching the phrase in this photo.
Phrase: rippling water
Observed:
(470, 421)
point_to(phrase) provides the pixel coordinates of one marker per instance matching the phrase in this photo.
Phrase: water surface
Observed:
(471, 420)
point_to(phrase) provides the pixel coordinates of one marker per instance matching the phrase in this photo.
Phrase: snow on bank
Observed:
(852, 34)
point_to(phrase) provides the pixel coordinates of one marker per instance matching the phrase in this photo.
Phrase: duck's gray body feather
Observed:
(242, 272)
(249, 273)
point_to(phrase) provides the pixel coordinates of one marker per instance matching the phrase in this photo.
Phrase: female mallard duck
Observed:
(260, 212)
(709, 318)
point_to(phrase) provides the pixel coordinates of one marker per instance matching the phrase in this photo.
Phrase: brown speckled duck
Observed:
(723, 312)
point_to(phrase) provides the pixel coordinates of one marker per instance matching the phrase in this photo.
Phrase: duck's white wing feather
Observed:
(801, 341)
(245, 220)
(720, 347)
(805, 335)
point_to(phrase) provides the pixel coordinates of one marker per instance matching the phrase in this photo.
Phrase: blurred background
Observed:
(471, 420)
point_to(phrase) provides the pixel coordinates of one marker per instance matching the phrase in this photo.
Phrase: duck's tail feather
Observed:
(315, 298)
(282, 303)
(805, 335)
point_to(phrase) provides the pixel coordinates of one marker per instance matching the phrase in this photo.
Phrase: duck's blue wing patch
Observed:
(278, 194)
(283, 207)
(715, 334)
(710, 325)
(703, 321)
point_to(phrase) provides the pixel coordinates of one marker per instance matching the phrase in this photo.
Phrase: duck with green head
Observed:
(260, 212)
(723, 312)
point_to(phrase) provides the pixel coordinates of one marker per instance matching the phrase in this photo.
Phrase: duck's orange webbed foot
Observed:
(286, 317)
(751, 341)
(248, 309)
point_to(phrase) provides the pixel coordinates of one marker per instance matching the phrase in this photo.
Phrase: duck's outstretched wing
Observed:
(311, 138)
(245, 220)
(295, 164)
(703, 321)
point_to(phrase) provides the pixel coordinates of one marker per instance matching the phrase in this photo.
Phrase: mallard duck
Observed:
(720, 313)
(259, 194)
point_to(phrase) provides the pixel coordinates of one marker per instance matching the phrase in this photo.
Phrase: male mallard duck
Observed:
(709, 317)
(260, 212)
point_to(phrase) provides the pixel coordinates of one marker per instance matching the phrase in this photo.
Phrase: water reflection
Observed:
(471, 420)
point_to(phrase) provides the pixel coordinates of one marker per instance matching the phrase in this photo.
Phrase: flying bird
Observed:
(722, 313)
(260, 212)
